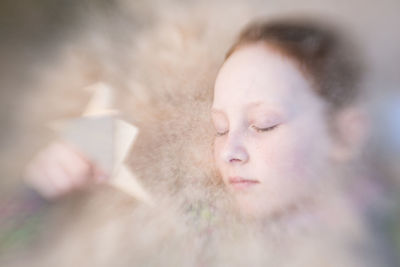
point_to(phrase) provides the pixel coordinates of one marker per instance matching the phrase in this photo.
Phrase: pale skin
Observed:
(60, 169)
(272, 138)
(268, 120)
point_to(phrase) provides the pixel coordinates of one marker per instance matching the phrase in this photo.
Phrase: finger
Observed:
(99, 175)
(76, 166)
(36, 178)
(58, 178)
(80, 165)
(78, 170)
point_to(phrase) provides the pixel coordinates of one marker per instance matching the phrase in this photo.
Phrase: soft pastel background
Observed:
(47, 42)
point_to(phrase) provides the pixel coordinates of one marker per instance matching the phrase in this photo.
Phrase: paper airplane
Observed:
(105, 139)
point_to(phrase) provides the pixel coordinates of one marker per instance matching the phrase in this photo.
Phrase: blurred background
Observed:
(37, 39)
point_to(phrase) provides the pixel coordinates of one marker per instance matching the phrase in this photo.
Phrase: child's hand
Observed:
(60, 169)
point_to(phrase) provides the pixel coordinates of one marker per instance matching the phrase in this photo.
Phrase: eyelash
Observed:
(259, 130)
(263, 129)
(221, 134)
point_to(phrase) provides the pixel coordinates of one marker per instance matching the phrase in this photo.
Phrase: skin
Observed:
(272, 143)
(60, 169)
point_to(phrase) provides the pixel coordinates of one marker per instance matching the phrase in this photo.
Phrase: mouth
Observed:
(240, 183)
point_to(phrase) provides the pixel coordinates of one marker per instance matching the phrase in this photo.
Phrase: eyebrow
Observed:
(254, 104)
(248, 106)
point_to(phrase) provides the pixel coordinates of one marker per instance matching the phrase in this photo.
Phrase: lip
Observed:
(241, 183)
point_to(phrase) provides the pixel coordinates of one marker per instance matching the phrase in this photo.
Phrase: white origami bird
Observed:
(105, 139)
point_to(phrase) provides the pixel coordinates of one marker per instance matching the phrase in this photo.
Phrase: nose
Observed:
(234, 151)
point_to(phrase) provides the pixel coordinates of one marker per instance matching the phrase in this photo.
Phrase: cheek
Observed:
(281, 162)
(294, 155)
(287, 154)
(218, 144)
(306, 152)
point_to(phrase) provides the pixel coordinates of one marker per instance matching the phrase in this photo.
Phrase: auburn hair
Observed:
(326, 56)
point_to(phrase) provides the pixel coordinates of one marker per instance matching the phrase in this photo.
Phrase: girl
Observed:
(287, 127)
(284, 111)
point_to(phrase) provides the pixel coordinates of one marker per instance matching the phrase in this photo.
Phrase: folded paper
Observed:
(105, 139)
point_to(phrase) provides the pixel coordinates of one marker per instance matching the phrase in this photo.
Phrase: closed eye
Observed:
(221, 133)
(263, 129)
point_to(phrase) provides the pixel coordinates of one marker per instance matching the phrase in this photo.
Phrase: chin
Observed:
(253, 207)
(250, 206)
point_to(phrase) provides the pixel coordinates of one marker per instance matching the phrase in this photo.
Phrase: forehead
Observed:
(257, 73)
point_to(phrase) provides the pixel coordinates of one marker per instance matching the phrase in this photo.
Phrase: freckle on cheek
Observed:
(299, 162)
(287, 158)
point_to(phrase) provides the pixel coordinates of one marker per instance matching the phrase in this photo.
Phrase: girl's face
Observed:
(271, 142)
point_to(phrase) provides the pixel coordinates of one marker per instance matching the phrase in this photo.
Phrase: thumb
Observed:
(99, 175)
